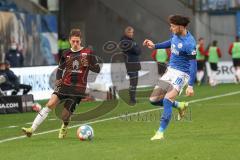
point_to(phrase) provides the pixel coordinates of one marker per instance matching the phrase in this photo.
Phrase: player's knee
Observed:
(51, 104)
(153, 99)
(156, 101)
(53, 101)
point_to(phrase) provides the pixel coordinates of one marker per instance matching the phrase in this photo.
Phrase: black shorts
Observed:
(70, 99)
(213, 66)
(236, 62)
(200, 65)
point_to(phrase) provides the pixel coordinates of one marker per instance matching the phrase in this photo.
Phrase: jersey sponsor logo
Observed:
(180, 45)
(75, 65)
(194, 52)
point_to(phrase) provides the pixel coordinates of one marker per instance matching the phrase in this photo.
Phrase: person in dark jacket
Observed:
(5, 85)
(131, 51)
(14, 81)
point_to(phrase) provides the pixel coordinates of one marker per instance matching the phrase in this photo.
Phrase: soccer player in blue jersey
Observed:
(181, 70)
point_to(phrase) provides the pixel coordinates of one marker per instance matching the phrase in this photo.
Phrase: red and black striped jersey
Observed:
(73, 69)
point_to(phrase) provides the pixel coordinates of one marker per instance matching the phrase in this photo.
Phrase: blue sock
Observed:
(157, 103)
(167, 114)
(175, 104)
(160, 103)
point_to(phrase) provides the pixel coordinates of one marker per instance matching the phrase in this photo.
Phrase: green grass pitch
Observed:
(210, 131)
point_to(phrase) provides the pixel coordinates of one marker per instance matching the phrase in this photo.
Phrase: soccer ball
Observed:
(85, 132)
(36, 107)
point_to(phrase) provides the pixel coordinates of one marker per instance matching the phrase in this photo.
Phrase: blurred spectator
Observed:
(132, 51)
(234, 51)
(3, 76)
(14, 80)
(14, 56)
(5, 85)
(161, 56)
(200, 60)
(214, 53)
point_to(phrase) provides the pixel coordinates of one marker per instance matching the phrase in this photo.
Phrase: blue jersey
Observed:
(183, 50)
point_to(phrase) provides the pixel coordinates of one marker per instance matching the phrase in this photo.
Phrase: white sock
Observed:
(212, 80)
(211, 77)
(214, 77)
(200, 75)
(238, 73)
(236, 76)
(42, 115)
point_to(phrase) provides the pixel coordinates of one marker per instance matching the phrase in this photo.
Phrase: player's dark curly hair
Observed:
(179, 20)
(75, 32)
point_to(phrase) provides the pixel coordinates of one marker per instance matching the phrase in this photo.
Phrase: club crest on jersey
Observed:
(174, 50)
(194, 52)
(75, 65)
(180, 45)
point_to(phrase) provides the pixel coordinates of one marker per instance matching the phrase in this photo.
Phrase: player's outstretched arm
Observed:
(148, 43)
(163, 45)
(151, 45)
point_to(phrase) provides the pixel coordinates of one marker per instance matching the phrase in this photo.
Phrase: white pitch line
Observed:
(214, 97)
(74, 126)
(29, 123)
(11, 126)
(52, 119)
(112, 118)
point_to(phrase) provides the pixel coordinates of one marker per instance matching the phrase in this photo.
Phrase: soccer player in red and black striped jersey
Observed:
(71, 81)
